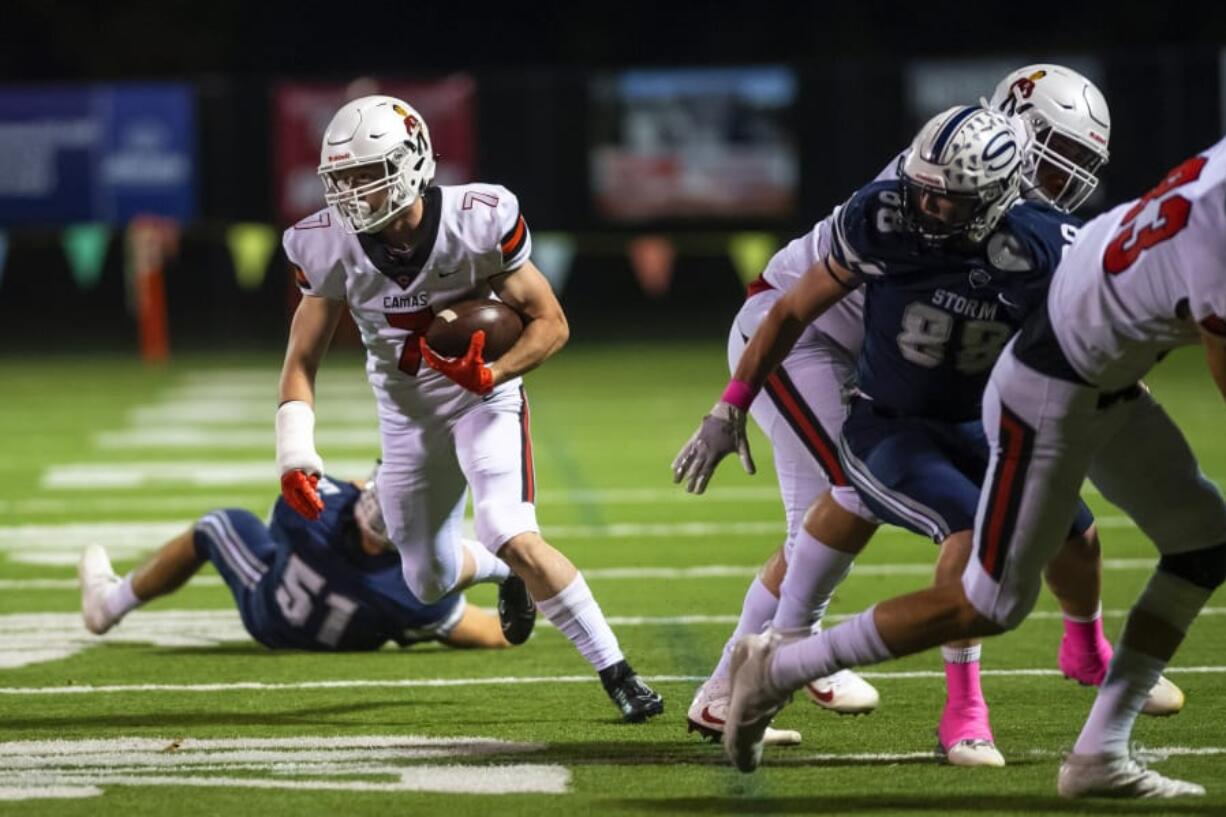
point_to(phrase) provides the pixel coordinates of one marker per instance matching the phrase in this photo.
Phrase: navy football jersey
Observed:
(937, 317)
(324, 592)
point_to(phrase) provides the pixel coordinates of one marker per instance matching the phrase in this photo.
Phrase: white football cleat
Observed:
(972, 752)
(1118, 776)
(709, 711)
(753, 699)
(1164, 699)
(844, 692)
(96, 577)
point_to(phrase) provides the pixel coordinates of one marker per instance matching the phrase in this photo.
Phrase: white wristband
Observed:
(296, 439)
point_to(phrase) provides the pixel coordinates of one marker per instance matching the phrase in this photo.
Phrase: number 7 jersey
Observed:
(1143, 276)
(469, 234)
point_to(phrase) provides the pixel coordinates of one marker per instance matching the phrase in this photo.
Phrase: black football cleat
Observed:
(633, 698)
(516, 610)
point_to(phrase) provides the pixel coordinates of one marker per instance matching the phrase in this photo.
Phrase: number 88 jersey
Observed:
(1144, 276)
(937, 316)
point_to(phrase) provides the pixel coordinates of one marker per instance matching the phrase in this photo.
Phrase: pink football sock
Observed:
(1085, 652)
(966, 712)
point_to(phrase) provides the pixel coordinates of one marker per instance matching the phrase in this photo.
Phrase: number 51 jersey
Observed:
(469, 234)
(1142, 276)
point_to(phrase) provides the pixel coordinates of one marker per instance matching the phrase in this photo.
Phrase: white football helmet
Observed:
(962, 173)
(385, 132)
(1070, 128)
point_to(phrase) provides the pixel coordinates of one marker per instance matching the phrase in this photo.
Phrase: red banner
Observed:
(302, 111)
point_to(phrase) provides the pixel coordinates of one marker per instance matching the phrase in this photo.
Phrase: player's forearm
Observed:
(776, 336)
(541, 339)
(309, 335)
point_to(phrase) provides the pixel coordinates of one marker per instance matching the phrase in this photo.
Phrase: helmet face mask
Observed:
(368, 514)
(1071, 127)
(961, 174)
(385, 136)
(1061, 170)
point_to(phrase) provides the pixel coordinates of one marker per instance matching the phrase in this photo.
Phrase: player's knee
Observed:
(1205, 568)
(525, 553)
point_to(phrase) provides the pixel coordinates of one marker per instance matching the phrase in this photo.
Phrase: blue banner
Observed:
(96, 153)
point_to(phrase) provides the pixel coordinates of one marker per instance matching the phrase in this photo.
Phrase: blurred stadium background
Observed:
(661, 152)
(152, 152)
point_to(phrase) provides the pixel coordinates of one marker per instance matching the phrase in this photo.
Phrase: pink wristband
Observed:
(739, 393)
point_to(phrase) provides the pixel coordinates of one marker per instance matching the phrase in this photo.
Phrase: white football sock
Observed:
(756, 612)
(489, 567)
(814, 571)
(1120, 698)
(853, 643)
(120, 598)
(1132, 673)
(962, 655)
(576, 614)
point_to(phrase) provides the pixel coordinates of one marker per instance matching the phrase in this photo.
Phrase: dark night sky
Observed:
(41, 40)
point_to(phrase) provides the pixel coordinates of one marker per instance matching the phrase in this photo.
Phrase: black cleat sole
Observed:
(516, 610)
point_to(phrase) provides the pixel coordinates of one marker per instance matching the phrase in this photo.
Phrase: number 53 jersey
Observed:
(937, 316)
(469, 234)
(1143, 276)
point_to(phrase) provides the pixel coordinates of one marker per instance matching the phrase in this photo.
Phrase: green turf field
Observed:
(175, 713)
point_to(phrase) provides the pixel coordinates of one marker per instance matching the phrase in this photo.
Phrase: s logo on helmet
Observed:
(1000, 152)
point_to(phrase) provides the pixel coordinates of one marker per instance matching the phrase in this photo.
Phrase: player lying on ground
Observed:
(925, 362)
(331, 584)
(395, 250)
(1064, 403)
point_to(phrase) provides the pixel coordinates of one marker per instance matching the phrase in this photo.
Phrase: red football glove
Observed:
(469, 371)
(298, 490)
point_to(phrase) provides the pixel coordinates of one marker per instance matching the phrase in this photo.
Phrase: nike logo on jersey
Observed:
(442, 274)
(378, 135)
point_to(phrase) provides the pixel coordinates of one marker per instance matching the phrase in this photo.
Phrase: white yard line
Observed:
(417, 683)
(66, 768)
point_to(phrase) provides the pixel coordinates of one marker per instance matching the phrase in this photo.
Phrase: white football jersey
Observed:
(843, 322)
(472, 233)
(1140, 278)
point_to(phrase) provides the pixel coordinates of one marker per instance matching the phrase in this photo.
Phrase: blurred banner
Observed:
(96, 153)
(85, 247)
(302, 111)
(694, 143)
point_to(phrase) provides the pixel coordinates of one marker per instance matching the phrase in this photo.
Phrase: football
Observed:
(452, 328)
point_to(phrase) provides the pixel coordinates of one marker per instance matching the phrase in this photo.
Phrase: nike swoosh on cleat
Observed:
(825, 697)
(707, 716)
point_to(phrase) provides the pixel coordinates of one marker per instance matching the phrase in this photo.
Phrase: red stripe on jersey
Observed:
(510, 245)
(757, 285)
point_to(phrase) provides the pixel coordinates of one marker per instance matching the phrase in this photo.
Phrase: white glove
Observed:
(722, 432)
